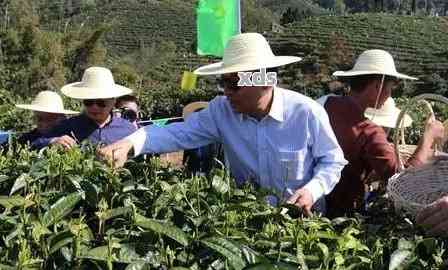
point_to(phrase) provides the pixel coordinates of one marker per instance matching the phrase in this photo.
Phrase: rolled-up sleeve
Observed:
(200, 129)
(328, 155)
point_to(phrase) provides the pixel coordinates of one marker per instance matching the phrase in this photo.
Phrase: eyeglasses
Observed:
(99, 102)
(228, 84)
(128, 114)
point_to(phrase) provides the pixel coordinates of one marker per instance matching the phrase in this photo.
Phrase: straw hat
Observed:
(97, 83)
(374, 62)
(387, 115)
(192, 107)
(245, 52)
(47, 101)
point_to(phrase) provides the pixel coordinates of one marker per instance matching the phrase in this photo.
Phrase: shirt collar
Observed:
(93, 123)
(277, 106)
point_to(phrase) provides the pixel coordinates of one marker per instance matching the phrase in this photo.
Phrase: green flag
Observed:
(217, 21)
(160, 122)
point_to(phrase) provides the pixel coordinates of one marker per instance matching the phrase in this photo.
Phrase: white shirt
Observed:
(292, 147)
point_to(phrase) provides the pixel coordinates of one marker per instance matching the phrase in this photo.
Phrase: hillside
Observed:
(418, 43)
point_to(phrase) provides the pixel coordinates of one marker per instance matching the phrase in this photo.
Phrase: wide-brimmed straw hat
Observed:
(387, 115)
(193, 107)
(246, 52)
(96, 83)
(47, 101)
(374, 62)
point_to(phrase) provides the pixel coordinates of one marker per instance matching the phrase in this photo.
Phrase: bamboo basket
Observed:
(414, 188)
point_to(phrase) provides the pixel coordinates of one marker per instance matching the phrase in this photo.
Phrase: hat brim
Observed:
(388, 120)
(220, 68)
(78, 90)
(44, 109)
(192, 107)
(354, 73)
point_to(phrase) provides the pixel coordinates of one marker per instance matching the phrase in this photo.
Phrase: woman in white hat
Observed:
(265, 130)
(48, 110)
(387, 115)
(96, 124)
(364, 143)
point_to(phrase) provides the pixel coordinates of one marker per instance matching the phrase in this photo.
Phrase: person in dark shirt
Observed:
(127, 108)
(96, 124)
(200, 160)
(48, 110)
(365, 143)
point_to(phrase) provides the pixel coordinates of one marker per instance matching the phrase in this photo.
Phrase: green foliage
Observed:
(335, 41)
(255, 17)
(72, 211)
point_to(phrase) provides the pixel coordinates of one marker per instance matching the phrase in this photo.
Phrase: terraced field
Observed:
(419, 44)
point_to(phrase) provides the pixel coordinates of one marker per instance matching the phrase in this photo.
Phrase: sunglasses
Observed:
(128, 114)
(99, 102)
(228, 84)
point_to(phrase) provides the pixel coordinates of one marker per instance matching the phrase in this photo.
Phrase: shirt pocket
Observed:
(291, 164)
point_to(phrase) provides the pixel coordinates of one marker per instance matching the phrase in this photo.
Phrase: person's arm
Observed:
(434, 131)
(201, 128)
(329, 161)
(434, 217)
(328, 156)
(58, 134)
(377, 151)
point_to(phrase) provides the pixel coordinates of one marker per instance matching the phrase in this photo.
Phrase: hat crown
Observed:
(389, 106)
(376, 60)
(98, 77)
(48, 99)
(247, 47)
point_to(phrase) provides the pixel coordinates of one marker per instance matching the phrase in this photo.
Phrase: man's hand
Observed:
(303, 199)
(66, 141)
(434, 130)
(435, 217)
(116, 153)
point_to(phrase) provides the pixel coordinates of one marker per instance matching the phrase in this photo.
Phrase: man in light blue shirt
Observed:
(274, 137)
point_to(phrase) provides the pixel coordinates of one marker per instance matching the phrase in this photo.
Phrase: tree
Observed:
(289, 16)
(339, 7)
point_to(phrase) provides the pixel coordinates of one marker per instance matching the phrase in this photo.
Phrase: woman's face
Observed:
(46, 121)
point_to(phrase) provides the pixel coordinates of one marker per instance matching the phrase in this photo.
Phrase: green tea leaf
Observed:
(14, 201)
(251, 256)
(19, 183)
(272, 266)
(61, 208)
(220, 185)
(111, 213)
(7, 267)
(324, 250)
(125, 253)
(141, 266)
(38, 231)
(61, 243)
(91, 191)
(399, 259)
(228, 249)
(157, 226)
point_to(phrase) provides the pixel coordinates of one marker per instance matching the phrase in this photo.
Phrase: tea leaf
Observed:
(399, 259)
(61, 208)
(157, 226)
(226, 248)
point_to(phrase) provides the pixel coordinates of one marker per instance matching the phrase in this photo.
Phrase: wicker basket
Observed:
(414, 188)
